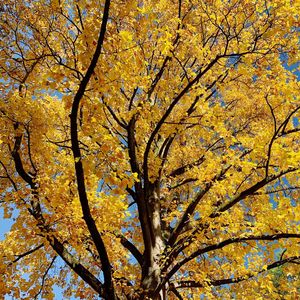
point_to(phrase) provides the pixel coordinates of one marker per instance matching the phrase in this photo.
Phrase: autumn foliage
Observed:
(150, 149)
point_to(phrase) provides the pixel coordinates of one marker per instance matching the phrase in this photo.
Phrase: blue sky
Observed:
(5, 225)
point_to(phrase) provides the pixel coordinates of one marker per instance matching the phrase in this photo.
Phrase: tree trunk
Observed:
(152, 276)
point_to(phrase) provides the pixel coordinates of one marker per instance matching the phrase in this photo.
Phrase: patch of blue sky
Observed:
(296, 122)
(232, 61)
(5, 225)
(294, 67)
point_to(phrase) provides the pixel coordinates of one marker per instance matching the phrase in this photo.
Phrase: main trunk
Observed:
(152, 272)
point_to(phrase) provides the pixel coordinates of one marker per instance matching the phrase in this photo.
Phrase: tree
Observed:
(153, 146)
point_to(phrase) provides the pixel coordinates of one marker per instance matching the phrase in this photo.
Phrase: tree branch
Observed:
(219, 282)
(183, 169)
(57, 246)
(175, 292)
(226, 243)
(124, 126)
(192, 206)
(250, 191)
(132, 248)
(44, 277)
(19, 256)
(90, 222)
(168, 112)
(183, 243)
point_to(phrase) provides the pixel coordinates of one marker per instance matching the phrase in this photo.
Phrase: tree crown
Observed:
(152, 145)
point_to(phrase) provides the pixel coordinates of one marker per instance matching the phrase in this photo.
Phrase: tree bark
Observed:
(152, 276)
